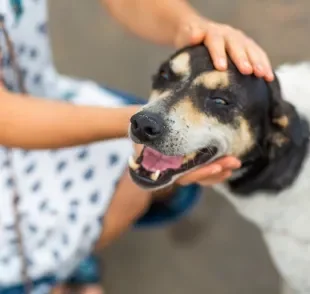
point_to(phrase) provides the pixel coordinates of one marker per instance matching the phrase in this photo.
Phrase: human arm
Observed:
(177, 23)
(156, 21)
(34, 123)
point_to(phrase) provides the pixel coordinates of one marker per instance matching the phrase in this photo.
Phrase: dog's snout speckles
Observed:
(213, 80)
(180, 64)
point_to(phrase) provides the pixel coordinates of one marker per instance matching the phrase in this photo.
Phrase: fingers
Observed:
(212, 173)
(217, 52)
(220, 39)
(216, 44)
(221, 177)
(228, 162)
(200, 174)
(247, 55)
(210, 180)
(237, 51)
(260, 61)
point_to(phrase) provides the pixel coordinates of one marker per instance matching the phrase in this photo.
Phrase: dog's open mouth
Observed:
(153, 169)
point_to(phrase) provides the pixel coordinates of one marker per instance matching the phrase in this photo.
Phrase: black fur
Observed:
(272, 168)
(275, 174)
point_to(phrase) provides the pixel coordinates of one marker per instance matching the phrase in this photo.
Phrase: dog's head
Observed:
(197, 114)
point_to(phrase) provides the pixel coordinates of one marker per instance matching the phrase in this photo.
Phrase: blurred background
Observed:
(212, 250)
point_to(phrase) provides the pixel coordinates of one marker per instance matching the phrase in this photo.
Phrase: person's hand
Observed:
(211, 174)
(208, 175)
(220, 38)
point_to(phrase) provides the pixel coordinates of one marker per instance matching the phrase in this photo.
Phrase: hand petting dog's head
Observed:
(196, 114)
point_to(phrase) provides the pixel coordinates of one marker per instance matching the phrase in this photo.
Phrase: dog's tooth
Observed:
(132, 164)
(154, 176)
(185, 160)
(189, 157)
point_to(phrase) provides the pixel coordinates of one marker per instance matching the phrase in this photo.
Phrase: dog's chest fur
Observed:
(284, 219)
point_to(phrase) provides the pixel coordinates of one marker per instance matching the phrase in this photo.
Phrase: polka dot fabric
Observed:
(63, 194)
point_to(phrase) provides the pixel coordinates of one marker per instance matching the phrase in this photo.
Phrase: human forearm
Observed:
(34, 123)
(158, 21)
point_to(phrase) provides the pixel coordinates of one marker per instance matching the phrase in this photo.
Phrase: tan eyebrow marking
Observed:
(213, 80)
(188, 112)
(180, 64)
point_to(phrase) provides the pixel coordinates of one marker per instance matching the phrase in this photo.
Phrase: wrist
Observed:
(115, 121)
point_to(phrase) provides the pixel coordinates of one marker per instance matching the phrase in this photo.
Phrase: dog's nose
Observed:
(147, 126)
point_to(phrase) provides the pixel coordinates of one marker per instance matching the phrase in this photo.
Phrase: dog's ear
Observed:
(283, 121)
(284, 129)
(279, 109)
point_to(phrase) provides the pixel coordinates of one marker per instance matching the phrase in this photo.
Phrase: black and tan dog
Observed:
(197, 114)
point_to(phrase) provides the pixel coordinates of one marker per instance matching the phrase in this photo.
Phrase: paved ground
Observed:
(212, 250)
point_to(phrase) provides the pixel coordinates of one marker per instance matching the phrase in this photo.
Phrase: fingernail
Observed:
(217, 169)
(246, 64)
(233, 166)
(238, 164)
(259, 68)
(222, 62)
(270, 76)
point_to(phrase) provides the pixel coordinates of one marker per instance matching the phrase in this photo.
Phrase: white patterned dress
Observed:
(63, 194)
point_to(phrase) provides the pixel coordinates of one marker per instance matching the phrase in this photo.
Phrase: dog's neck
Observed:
(262, 174)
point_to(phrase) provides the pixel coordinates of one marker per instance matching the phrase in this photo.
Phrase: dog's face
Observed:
(196, 114)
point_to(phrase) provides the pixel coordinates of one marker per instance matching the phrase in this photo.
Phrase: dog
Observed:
(197, 114)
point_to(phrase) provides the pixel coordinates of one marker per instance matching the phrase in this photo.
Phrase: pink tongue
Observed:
(154, 160)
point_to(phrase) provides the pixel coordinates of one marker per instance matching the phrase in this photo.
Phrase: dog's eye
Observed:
(164, 74)
(219, 101)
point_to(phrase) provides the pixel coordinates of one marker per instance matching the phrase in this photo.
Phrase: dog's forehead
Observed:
(195, 62)
(192, 74)
(191, 60)
(181, 64)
